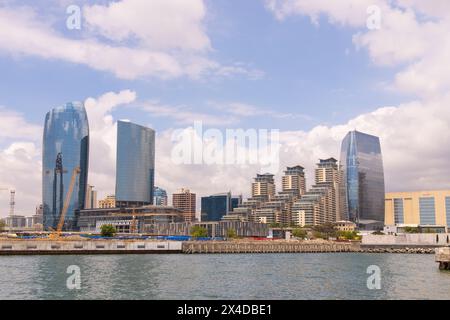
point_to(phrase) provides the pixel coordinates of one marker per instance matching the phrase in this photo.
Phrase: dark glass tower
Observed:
(363, 179)
(135, 166)
(65, 148)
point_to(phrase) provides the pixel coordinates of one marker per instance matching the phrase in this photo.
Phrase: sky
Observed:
(312, 70)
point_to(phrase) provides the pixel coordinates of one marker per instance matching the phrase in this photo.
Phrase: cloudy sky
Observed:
(311, 69)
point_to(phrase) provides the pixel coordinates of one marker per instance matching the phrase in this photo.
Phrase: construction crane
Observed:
(57, 233)
(12, 203)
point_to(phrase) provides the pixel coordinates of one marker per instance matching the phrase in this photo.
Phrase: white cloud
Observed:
(14, 126)
(413, 36)
(156, 24)
(162, 39)
(185, 115)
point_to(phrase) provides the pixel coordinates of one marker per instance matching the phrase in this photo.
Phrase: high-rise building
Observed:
(65, 151)
(363, 179)
(91, 198)
(321, 203)
(135, 165)
(186, 202)
(294, 181)
(160, 197)
(215, 207)
(263, 188)
(327, 174)
(108, 203)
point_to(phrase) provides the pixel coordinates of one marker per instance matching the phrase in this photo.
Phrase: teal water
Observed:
(240, 276)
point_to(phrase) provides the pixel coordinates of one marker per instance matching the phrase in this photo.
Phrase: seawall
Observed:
(35, 247)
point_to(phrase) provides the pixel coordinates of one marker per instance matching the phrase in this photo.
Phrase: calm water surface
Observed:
(240, 276)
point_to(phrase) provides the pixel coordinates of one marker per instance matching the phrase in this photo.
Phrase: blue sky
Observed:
(309, 70)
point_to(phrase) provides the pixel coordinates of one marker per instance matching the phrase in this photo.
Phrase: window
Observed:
(447, 210)
(398, 211)
(427, 211)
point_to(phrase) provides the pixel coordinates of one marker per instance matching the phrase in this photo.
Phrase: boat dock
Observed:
(443, 258)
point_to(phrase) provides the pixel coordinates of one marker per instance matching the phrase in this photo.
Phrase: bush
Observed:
(299, 233)
(348, 235)
(231, 233)
(199, 232)
(108, 230)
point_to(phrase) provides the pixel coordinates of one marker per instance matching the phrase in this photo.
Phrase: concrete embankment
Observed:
(35, 247)
(268, 247)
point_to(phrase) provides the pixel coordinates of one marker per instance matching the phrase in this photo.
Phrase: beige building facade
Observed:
(186, 202)
(418, 208)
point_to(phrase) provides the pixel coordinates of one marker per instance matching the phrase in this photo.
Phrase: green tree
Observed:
(275, 225)
(348, 235)
(326, 230)
(231, 233)
(108, 230)
(199, 232)
(299, 233)
(2, 225)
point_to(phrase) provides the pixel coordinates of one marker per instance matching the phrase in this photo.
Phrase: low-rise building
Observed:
(127, 220)
(345, 225)
(213, 228)
(108, 202)
(424, 208)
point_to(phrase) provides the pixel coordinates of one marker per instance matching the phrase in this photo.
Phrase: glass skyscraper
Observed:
(65, 148)
(216, 206)
(160, 197)
(135, 165)
(363, 179)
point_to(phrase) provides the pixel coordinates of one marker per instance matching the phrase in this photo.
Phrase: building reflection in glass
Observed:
(65, 147)
(363, 178)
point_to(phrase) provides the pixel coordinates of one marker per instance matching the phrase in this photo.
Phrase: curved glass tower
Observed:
(135, 165)
(65, 148)
(363, 178)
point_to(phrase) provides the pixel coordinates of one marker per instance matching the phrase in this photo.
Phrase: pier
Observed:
(443, 258)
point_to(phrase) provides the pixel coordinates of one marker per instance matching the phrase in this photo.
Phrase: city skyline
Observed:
(262, 72)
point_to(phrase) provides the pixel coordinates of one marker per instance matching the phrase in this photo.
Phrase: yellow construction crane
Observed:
(57, 233)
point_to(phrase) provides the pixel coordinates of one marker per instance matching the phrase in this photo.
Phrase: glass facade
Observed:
(363, 178)
(398, 211)
(160, 197)
(427, 211)
(65, 147)
(135, 164)
(447, 211)
(216, 206)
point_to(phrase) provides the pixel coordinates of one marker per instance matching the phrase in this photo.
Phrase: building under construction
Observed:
(127, 220)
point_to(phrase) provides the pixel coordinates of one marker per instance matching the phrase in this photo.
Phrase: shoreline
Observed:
(95, 247)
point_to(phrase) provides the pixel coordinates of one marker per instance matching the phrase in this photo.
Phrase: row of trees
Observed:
(325, 231)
